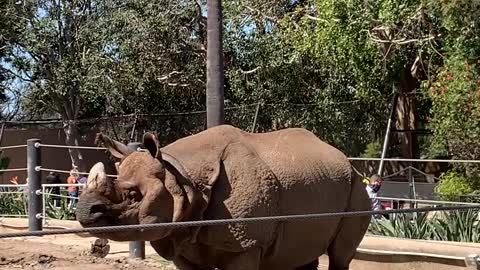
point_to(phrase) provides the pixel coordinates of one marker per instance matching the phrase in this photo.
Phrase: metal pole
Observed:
(255, 118)
(215, 70)
(44, 206)
(387, 134)
(34, 179)
(136, 248)
(410, 185)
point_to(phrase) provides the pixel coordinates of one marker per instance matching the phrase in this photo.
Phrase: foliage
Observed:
(329, 66)
(4, 162)
(461, 226)
(402, 226)
(64, 211)
(16, 204)
(13, 203)
(373, 150)
(455, 95)
(452, 185)
(458, 225)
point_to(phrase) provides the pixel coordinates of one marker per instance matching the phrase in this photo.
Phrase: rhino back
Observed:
(308, 169)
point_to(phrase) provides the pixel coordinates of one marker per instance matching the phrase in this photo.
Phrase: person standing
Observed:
(372, 189)
(72, 190)
(53, 178)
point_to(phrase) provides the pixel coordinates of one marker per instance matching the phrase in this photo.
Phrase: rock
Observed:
(100, 248)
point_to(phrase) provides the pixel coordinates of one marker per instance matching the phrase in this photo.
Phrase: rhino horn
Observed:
(96, 176)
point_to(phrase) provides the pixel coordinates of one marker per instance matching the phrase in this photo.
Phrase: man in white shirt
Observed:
(372, 189)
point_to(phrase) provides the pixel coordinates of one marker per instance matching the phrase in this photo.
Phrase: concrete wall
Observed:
(52, 158)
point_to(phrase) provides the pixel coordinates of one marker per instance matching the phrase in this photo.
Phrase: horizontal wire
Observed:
(71, 147)
(59, 196)
(425, 201)
(13, 170)
(63, 171)
(144, 227)
(416, 160)
(12, 147)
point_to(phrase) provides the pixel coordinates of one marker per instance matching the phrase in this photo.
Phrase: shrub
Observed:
(373, 150)
(452, 185)
(459, 226)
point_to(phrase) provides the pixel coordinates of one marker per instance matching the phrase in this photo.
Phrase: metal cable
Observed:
(426, 201)
(13, 170)
(11, 192)
(63, 171)
(70, 147)
(144, 227)
(59, 196)
(12, 147)
(416, 160)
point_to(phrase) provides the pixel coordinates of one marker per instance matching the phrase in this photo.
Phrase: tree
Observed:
(85, 59)
(58, 56)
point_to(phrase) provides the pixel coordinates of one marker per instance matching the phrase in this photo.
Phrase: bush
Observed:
(458, 226)
(13, 204)
(16, 204)
(452, 185)
(373, 150)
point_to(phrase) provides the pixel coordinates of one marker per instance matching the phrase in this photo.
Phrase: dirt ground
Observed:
(73, 252)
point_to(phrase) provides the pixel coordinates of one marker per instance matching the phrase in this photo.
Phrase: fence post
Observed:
(34, 180)
(136, 248)
(410, 188)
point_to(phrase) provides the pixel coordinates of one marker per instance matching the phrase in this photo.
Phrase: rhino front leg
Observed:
(249, 260)
(183, 264)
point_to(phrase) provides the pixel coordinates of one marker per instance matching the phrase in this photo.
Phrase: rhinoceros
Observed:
(226, 173)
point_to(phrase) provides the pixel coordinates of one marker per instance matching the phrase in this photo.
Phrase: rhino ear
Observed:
(152, 144)
(117, 149)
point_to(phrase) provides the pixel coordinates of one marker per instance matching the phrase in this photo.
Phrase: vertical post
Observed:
(44, 206)
(34, 180)
(136, 248)
(387, 134)
(215, 75)
(255, 118)
(410, 186)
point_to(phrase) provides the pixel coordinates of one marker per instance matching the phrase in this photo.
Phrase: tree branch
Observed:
(254, 10)
(167, 76)
(402, 41)
(251, 71)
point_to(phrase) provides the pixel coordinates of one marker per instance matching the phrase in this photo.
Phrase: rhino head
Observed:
(143, 193)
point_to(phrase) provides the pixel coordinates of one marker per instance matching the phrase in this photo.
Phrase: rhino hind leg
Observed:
(343, 248)
(309, 266)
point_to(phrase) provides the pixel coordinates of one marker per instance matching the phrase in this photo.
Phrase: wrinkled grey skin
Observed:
(224, 173)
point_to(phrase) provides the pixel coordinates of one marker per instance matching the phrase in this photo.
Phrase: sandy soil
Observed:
(73, 252)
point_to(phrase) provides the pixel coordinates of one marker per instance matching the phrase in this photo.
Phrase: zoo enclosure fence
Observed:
(37, 193)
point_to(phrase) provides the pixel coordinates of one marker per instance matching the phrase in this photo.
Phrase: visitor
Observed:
(53, 179)
(372, 189)
(82, 180)
(72, 190)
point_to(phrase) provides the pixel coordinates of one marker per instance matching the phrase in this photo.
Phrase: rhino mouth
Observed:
(92, 216)
(92, 211)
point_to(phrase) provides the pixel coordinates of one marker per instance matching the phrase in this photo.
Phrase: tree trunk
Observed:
(70, 128)
(215, 75)
(407, 115)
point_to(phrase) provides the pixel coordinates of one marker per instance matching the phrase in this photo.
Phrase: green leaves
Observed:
(452, 185)
(460, 226)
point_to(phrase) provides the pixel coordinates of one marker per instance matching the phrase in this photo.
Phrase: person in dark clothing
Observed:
(53, 178)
